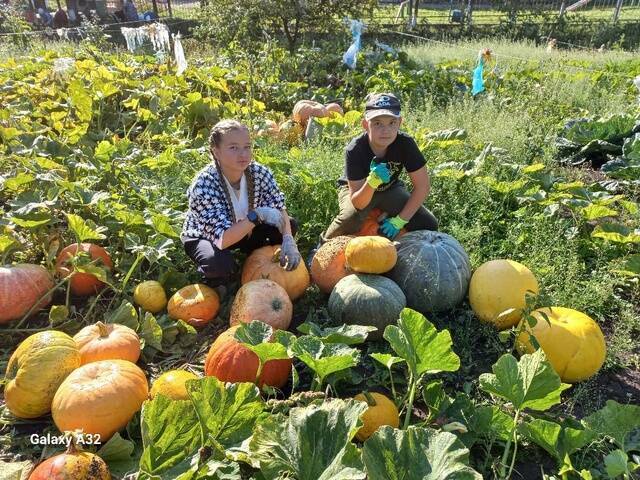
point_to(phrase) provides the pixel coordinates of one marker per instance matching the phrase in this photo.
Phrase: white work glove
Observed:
(270, 216)
(289, 254)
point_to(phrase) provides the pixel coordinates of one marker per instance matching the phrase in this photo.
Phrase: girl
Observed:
(235, 203)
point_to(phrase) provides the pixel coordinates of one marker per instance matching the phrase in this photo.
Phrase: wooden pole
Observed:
(563, 6)
(616, 12)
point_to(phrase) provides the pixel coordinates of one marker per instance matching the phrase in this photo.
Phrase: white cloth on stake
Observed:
(178, 51)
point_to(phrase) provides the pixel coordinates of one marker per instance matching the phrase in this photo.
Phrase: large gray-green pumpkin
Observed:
(363, 299)
(433, 270)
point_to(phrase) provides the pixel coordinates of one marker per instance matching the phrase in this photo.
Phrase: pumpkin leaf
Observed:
(418, 342)
(58, 314)
(312, 442)
(171, 433)
(85, 229)
(416, 454)
(631, 266)
(529, 383)
(616, 464)
(125, 314)
(347, 334)
(386, 359)
(324, 359)
(227, 412)
(617, 233)
(593, 212)
(557, 440)
(118, 454)
(256, 337)
(7, 244)
(150, 332)
(490, 421)
(615, 420)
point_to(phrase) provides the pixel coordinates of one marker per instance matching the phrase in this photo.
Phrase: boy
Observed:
(373, 163)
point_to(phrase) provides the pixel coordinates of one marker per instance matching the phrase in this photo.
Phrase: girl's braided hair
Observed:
(217, 133)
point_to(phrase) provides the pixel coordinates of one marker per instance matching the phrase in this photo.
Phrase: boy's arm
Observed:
(421, 186)
(361, 193)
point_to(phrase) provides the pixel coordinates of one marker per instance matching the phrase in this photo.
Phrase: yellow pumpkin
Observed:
(36, 369)
(100, 398)
(172, 384)
(196, 304)
(381, 411)
(370, 254)
(262, 300)
(108, 341)
(572, 341)
(264, 262)
(497, 292)
(151, 296)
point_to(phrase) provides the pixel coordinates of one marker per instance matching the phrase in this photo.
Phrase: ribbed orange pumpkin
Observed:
(21, 286)
(264, 263)
(107, 342)
(83, 284)
(196, 304)
(229, 361)
(262, 300)
(329, 264)
(371, 224)
(334, 107)
(100, 397)
(370, 254)
(304, 109)
(72, 465)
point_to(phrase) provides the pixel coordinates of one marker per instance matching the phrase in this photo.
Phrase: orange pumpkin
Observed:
(371, 225)
(107, 342)
(196, 304)
(265, 263)
(305, 109)
(21, 287)
(72, 465)
(329, 264)
(229, 361)
(172, 384)
(334, 107)
(262, 300)
(83, 284)
(100, 398)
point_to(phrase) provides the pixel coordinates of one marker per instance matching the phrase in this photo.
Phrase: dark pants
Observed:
(391, 201)
(217, 265)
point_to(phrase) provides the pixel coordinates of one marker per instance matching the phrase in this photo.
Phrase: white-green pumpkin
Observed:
(364, 299)
(433, 270)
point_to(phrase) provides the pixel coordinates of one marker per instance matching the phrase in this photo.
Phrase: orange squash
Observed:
(334, 107)
(305, 109)
(328, 266)
(264, 263)
(262, 300)
(83, 284)
(100, 398)
(72, 465)
(196, 304)
(107, 342)
(371, 225)
(172, 384)
(21, 287)
(229, 361)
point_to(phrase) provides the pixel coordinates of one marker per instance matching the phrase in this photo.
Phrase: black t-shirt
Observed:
(402, 153)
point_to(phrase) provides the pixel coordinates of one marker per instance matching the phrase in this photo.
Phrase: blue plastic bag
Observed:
(350, 56)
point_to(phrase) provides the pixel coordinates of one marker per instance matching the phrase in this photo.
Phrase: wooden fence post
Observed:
(616, 12)
(563, 6)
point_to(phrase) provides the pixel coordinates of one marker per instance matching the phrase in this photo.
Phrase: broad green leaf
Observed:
(256, 337)
(386, 359)
(529, 383)
(99, 272)
(631, 265)
(416, 454)
(418, 342)
(58, 314)
(162, 225)
(593, 212)
(435, 397)
(126, 314)
(150, 332)
(85, 229)
(347, 334)
(324, 359)
(171, 434)
(615, 232)
(14, 183)
(80, 99)
(104, 151)
(615, 420)
(490, 421)
(534, 167)
(545, 434)
(118, 454)
(616, 464)
(227, 412)
(7, 244)
(313, 442)
(33, 220)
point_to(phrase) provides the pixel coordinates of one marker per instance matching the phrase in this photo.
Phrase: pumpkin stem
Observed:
(73, 441)
(102, 328)
(370, 400)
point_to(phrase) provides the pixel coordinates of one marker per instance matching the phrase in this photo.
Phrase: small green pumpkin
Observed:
(363, 299)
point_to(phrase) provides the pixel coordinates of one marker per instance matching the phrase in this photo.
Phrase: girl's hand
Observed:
(289, 255)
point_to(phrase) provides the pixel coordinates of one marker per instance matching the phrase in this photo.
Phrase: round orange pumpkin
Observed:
(107, 342)
(305, 109)
(100, 398)
(83, 284)
(172, 384)
(229, 361)
(264, 262)
(21, 287)
(196, 304)
(371, 224)
(334, 107)
(262, 300)
(328, 266)
(72, 465)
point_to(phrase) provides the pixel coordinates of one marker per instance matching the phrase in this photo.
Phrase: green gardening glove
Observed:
(392, 226)
(378, 174)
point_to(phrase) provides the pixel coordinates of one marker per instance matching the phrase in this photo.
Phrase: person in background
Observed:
(130, 11)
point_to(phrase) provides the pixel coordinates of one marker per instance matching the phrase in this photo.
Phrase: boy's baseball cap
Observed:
(381, 104)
